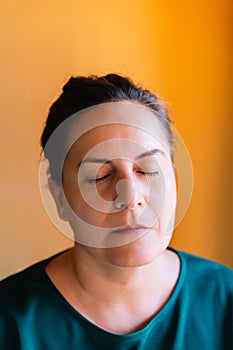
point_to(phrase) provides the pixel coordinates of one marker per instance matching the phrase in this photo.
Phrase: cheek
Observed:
(157, 194)
(162, 199)
(77, 206)
(169, 210)
(73, 198)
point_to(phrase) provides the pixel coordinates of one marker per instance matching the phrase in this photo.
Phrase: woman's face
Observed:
(118, 179)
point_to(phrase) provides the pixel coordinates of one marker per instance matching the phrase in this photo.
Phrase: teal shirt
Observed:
(198, 315)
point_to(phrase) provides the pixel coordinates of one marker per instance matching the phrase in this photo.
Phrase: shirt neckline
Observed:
(155, 320)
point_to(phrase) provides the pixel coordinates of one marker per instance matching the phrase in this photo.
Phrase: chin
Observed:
(137, 253)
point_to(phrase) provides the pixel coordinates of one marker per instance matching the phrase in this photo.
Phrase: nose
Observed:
(128, 195)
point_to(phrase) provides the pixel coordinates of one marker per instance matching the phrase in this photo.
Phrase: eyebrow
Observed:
(107, 161)
(94, 160)
(150, 153)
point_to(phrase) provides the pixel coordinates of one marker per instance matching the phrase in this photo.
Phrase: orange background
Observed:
(181, 49)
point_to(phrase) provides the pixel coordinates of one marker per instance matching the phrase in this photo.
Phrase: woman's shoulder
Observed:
(202, 263)
(23, 282)
(206, 274)
(20, 284)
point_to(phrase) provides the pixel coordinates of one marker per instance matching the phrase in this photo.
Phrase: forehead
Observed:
(117, 126)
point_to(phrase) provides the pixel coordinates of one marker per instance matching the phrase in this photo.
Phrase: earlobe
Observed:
(57, 193)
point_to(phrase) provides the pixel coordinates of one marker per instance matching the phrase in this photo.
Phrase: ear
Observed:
(58, 197)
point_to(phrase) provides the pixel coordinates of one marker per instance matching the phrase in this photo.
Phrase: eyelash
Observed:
(153, 173)
(102, 179)
(98, 180)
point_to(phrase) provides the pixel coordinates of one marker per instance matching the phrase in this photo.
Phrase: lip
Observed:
(131, 229)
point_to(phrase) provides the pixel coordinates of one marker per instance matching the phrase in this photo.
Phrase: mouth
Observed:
(131, 229)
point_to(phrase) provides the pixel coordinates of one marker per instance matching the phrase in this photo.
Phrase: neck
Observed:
(108, 283)
(98, 289)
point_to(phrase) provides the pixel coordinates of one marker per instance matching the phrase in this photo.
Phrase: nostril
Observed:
(124, 188)
(120, 205)
(141, 202)
(124, 194)
(128, 195)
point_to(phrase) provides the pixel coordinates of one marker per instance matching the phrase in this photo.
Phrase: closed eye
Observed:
(98, 179)
(149, 173)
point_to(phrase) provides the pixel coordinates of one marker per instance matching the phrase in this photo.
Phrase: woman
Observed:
(110, 149)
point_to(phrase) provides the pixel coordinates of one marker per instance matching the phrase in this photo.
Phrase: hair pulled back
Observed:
(82, 92)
